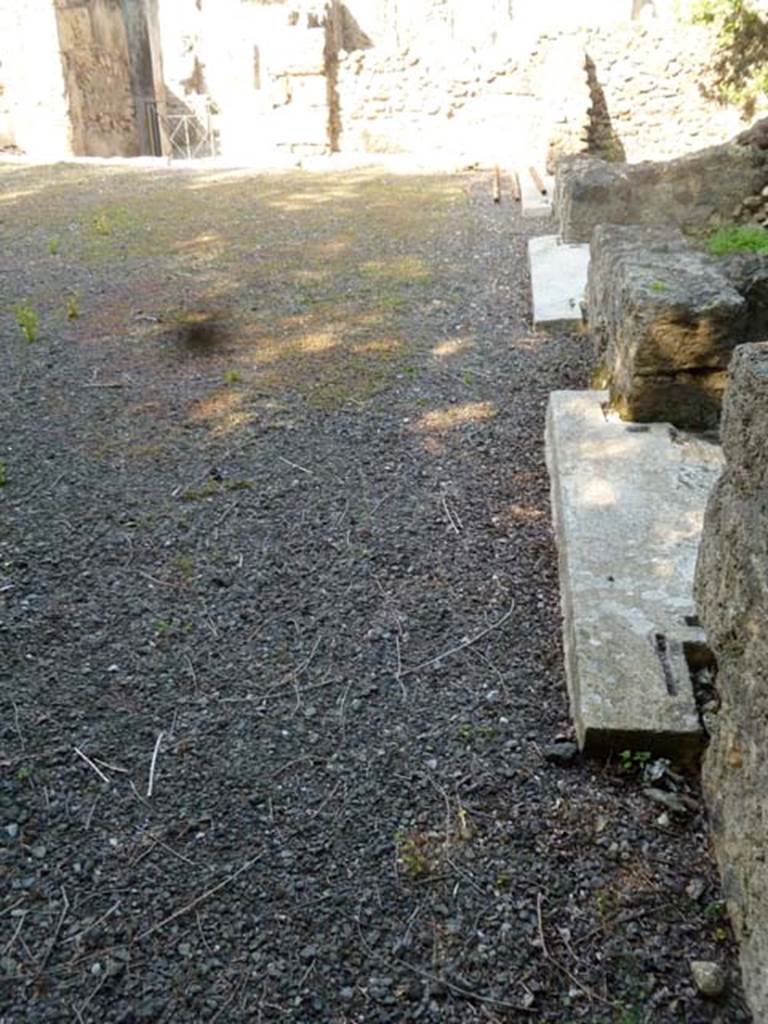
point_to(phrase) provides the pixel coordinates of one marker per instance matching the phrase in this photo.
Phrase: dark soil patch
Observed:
(259, 571)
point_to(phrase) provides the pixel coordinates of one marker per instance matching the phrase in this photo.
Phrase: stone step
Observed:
(628, 503)
(532, 202)
(558, 282)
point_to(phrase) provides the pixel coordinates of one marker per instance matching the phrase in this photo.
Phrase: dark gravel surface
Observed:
(275, 511)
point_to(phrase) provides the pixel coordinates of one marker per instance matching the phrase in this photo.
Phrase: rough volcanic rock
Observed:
(733, 605)
(665, 322)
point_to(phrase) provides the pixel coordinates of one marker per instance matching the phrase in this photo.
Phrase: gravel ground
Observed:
(280, 660)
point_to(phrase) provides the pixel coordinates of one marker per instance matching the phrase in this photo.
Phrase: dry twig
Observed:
(459, 647)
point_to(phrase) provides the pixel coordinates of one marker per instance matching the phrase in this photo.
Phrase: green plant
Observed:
(185, 566)
(73, 306)
(738, 238)
(53, 246)
(102, 224)
(739, 70)
(3, 474)
(28, 321)
(232, 377)
(659, 286)
(630, 759)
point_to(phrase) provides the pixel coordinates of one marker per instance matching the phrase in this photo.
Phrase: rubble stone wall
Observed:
(732, 600)
(97, 72)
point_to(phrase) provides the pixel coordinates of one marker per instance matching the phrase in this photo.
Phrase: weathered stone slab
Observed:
(628, 504)
(532, 202)
(558, 282)
(732, 598)
(694, 192)
(665, 321)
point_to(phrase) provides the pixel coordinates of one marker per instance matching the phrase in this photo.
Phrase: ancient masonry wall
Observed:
(631, 91)
(97, 73)
(33, 109)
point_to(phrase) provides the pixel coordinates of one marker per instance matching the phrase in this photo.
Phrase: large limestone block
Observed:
(589, 191)
(731, 590)
(665, 322)
(695, 192)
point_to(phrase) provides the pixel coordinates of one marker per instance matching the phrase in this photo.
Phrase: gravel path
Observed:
(275, 546)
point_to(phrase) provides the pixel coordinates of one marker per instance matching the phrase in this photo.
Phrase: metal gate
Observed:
(189, 133)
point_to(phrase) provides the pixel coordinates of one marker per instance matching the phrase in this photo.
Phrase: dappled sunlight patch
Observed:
(456, 416)
(450, 347)
(223, 411)
(523, 514)
(402, 268)
(379, 345)
(320, 342)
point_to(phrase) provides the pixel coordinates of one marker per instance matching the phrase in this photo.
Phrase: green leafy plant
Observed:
(53, 246)
(102, 224)
(630, 759)
(232, 377)
(739, 71)
(73, 306)
(738, 238)
(3, 474)
(659, 286)
(28, 321)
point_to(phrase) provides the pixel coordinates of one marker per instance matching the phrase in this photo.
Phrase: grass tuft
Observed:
(738, 238)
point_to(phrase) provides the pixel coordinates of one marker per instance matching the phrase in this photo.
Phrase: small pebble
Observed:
(561, 754)
(709, 978)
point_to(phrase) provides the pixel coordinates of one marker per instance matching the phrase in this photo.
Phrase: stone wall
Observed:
(97, 73)
(630, 91)
(33, 110)
(732, 599)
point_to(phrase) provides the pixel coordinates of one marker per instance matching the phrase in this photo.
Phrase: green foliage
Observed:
(28, 321)
(232, 377)
(53, 246)
(3, 474)
(739, 73)
(73, 306)
(738, 238)
(102, 225)
(659, 286)
(630, 759)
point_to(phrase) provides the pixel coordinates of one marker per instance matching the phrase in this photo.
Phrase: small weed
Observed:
(53, 246)
(3, 474)
(23, 774)
(659, 286)
(102, 224)
(73, 306)
(630, 759)
(209, 489)
(738, 238)
(232, 377)
(185, 566)
(28, 321)
(416, 854)
(716, 909)
(163, 627)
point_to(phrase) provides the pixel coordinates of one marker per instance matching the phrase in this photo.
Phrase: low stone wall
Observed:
(697, 192)
(665, 320)
(732, 600)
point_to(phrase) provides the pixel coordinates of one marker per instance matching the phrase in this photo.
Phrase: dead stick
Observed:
(460, 647)
(496, 184)
(156, 751)
(193, 904)
(515, 187)
(56, 933)
(90, 764)
(537, 180)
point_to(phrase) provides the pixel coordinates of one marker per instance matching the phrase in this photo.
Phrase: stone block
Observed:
(732, 600)
(693, 192)
(665, 322)
(627, 505)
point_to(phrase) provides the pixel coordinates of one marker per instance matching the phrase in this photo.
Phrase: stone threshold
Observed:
(628, 504)
(558, 282)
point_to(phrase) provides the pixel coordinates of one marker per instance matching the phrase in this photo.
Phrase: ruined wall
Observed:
(629, 91)
(33, 111)
(732, 599)
(97, 72)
